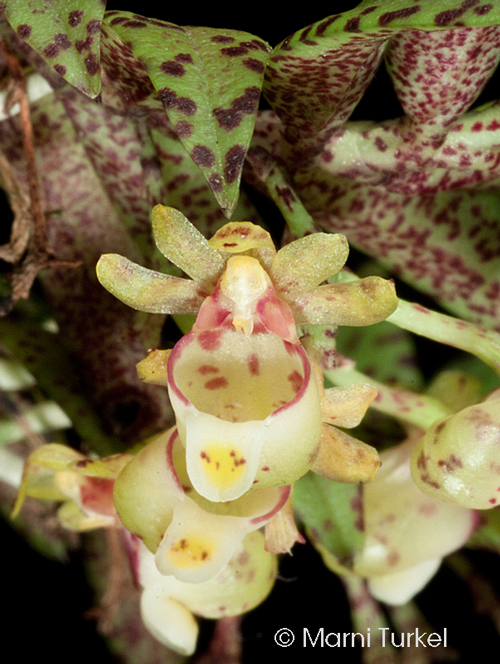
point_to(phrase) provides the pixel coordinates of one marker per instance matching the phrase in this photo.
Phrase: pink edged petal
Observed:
(247, 409)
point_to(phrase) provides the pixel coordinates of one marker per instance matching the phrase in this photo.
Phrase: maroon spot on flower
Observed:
(93, 26)
(172, 68)
(492, 501)
(205, 456)
(184, 57)
(352, 24)
(253, 365)
(237, 462)
(265, 469)
(233, 162)
(216, 183)
(207, 369)
(24, 30)
(393, 558)
(222, 39)
(184, 128)
(209, 340)
(203, 156)
(254, 65)
(477, 126)
(493, 126)
(75, 17)
(388, 17)
(60, 69)
(328, 524)
(296, 380)
(91, 64)
(216, 383)
(380, 144)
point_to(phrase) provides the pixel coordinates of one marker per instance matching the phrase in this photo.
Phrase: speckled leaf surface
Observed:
(107, 338)
(209, 82)
(185, 186)
(318, 75)
(66, 35)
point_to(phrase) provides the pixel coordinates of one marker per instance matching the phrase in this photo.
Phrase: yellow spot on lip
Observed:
(222, 464)
(191, 551)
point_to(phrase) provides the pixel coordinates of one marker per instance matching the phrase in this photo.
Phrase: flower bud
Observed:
(458, 458)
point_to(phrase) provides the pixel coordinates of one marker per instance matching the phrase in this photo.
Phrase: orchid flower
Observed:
(168, 605)
(406, 533)
(192, 538)
(246, 399)
(84, 486)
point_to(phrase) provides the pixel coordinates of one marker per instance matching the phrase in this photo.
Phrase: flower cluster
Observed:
(252, 415)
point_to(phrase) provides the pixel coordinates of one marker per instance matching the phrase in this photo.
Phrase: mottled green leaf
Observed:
(382, 352)
(44, 355)
(66, 35)
(439, 58)
(332, 513)
(209, 82)
(107, 338)
(187, 189)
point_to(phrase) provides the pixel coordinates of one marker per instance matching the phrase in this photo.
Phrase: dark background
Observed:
(44, 601)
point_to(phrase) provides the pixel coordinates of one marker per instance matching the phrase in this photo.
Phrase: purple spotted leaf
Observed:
(209, 82)
(185, 186)
(444, 241)
(107, 338)
(66, 35)
(439, 63)
(125, 81)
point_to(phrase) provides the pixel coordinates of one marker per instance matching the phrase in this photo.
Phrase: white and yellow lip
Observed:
(247, 410)
(202, 536)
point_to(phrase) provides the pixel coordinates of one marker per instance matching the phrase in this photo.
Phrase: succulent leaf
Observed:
(209, 82)
(66, 37)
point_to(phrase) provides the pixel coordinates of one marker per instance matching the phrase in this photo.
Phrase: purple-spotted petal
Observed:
(247, 409)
